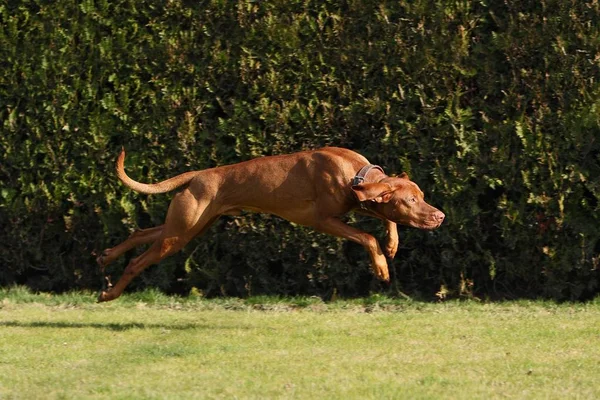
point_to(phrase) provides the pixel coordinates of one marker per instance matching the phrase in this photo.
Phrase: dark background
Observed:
(492, 107)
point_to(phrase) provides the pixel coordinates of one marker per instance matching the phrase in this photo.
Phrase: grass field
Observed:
(151, 346)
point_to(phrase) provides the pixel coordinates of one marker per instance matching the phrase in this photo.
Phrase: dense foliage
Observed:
(493, 108)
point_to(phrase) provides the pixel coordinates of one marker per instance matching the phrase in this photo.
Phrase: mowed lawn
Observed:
(151, 346)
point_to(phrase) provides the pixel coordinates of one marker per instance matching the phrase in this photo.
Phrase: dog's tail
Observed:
(151, 188)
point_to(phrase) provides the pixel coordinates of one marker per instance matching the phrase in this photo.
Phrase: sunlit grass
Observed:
(149, 345)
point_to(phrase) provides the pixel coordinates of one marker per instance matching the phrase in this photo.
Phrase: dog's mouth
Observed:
(430, 227)
(433, 222)
(424, 226)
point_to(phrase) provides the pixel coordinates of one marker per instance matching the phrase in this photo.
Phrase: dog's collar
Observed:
(360, 178)
(362, 174)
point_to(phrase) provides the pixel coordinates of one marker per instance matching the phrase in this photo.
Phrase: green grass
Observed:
(148, 345)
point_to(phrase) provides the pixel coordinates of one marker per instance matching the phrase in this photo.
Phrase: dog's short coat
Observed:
(313, 188)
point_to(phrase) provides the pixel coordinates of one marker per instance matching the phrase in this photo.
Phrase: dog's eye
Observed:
(412, 200)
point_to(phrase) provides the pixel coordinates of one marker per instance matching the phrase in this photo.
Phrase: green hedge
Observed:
(493, 108)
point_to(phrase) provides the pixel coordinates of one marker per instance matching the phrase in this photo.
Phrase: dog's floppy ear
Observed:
(377, 192)
(404, 175)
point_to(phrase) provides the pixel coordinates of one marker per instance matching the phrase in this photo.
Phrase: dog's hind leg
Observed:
(187, 217)
(138, 237)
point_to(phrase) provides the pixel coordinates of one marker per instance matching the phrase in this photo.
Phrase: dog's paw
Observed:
(103, 259)
(100, 260)
(106, 296)
(390, 251)
(102, 297)
(382, 274)
(391, 248)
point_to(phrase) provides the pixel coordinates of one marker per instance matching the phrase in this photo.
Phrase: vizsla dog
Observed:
(313, 188)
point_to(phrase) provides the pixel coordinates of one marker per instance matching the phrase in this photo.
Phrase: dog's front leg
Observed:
(334, 226)
(391, 245)
(391, 232)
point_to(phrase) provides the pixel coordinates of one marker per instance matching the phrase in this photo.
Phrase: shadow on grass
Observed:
(112, 326)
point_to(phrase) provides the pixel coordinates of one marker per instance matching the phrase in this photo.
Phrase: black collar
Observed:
(360, 178)
(362, 174)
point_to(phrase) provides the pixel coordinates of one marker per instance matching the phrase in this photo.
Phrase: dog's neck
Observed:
(361, 176)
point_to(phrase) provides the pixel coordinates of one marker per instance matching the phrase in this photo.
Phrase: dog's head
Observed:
(400, 200)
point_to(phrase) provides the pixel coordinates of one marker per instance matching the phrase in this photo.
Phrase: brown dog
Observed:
(312, 188)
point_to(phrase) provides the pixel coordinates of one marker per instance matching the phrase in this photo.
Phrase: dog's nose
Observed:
(439, 216)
